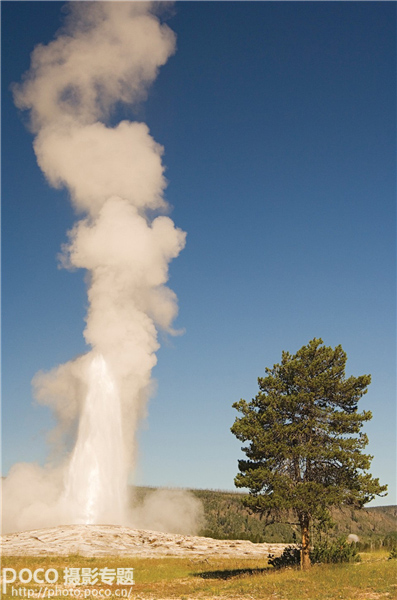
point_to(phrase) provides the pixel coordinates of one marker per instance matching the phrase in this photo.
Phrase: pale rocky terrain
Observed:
(113, 540)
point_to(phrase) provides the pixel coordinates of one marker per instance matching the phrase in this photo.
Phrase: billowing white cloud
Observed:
(107, 53)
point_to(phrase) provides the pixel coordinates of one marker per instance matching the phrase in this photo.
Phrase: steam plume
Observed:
(108, 52)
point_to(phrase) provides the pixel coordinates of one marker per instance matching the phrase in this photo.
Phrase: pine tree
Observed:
(305, 441)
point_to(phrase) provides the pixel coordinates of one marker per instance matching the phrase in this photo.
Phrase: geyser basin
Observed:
(110, 540)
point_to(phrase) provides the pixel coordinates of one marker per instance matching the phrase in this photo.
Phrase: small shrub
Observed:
(289, 558)
(390, 541)
(393, 554)
(338, 551)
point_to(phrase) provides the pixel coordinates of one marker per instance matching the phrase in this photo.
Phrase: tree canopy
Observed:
(305, 445)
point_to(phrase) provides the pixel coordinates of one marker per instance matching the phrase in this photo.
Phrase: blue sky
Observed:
(278, 124)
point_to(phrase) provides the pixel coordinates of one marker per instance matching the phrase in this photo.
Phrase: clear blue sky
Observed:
(278, 123)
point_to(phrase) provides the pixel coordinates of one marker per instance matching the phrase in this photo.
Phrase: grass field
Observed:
(374, 578)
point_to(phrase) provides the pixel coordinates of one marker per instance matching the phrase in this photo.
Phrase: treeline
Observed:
(227, 518)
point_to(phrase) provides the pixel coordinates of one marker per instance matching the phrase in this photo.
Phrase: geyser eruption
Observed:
(107, 53)
(97, 476)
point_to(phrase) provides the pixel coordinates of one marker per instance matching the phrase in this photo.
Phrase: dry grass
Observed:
(375, 578)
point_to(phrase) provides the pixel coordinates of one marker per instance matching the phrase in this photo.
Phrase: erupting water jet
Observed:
(96, 479)
(108, 52)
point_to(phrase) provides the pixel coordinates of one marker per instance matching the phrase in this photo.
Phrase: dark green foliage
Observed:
(303, 428)
(337, 551)
(305, 445)
(289, 558)
(390, 540)
(393, 554)
(227, 518)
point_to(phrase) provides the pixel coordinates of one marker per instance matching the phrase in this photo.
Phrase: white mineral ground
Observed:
(112, 540)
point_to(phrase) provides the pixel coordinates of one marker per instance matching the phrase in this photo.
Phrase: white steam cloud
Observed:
(107, 53)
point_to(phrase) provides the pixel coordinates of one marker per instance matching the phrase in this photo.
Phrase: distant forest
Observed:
(227, 518)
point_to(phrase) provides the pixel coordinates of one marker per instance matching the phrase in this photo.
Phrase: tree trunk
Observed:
(305, 551)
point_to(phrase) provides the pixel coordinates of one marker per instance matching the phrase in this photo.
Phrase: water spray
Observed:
(107, 53)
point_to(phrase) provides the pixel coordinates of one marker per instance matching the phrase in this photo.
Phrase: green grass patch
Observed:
(375, 578)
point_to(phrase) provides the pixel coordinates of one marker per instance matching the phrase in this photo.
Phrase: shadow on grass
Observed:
(230, 573)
